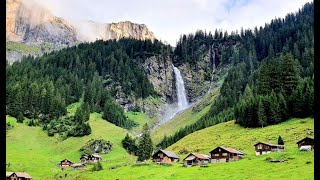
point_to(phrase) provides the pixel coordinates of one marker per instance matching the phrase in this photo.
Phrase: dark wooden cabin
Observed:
(18, 176)
(223, 154)
(306, 144)
(162, 156)
(65, 162)
(90, 158)
(264, 148)
(194, 159)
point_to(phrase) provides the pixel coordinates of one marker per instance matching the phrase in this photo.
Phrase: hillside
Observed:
(187, 117)
(230, 135)
(29, 148)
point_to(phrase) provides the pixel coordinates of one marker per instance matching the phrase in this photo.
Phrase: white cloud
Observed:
(168, 19)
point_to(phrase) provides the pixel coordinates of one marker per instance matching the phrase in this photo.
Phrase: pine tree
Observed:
(280, 141)
(145, 147)
(262, 114)
(289, 73)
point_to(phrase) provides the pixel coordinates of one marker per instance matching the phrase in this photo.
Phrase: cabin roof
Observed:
(200, 156)
(230, 150)
(65, 160)
(19, 174)
(77, 164)
(9, 174)
(304, 139)
(168, 153)
(96, 155)
(269, 144)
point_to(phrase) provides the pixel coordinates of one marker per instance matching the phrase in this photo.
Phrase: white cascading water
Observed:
(181, 91)
(172, 109)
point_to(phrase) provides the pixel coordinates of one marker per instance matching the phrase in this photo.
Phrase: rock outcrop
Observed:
(160, 73)
(29, 23)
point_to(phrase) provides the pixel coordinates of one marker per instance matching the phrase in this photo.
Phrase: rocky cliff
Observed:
(31, 24)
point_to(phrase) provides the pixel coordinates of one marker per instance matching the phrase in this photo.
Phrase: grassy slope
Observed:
(185, 118)
(30, 149)
(251, 167)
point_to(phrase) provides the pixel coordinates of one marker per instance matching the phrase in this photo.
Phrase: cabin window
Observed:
(216, 154)
(224, 154)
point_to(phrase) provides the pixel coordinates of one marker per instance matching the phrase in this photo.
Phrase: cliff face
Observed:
(31, 24)
(34, 25)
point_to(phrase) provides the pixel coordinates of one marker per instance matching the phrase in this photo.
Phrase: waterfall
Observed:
(213, 55)
(181, 92)
(173, 109)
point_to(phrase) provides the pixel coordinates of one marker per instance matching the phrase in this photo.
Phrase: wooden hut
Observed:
(306, 144)
(162, 156)
(223, 154)
(196, 159)
(264, 148)
(65, 162)
(78, 166)
(90, 158)
(18, 176)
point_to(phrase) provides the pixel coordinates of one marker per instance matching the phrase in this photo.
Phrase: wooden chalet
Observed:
(306, 144)
(90, 158)
(223, 154)
(196, 159)
(264, 148)
(78, 166)
(162, 156)
(65, 163)
(18, 176)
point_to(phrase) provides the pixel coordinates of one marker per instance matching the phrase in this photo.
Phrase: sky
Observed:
(168, 19)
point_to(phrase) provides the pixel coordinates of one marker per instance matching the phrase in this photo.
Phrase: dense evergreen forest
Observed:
(271, 78)
(92, 73)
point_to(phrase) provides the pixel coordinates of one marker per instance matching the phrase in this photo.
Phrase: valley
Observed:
(129, 103)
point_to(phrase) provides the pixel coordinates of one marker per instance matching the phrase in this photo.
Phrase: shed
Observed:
(163, 156)
(306, 144)
(196, 159)
(264, 148)
(224, 154)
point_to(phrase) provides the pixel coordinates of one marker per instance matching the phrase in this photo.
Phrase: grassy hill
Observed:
(119, 165)
(30, 149)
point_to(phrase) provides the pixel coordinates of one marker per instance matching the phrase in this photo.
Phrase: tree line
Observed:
(42, 87)
(271, 69)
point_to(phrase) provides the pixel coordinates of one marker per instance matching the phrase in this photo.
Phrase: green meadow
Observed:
(29, 149)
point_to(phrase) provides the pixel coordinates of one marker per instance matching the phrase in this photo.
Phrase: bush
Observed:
(97, 167)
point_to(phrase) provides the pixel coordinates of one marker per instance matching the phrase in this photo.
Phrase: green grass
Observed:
(140, 118)
(231, 135)
(187, 117)
(11, 120)
(15, 46)
(30, 149)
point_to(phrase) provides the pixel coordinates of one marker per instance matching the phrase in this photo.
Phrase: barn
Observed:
(306, 144)
(264, 148)
(162, 156)
(194, 159)
(65, 162)
(224, 154)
